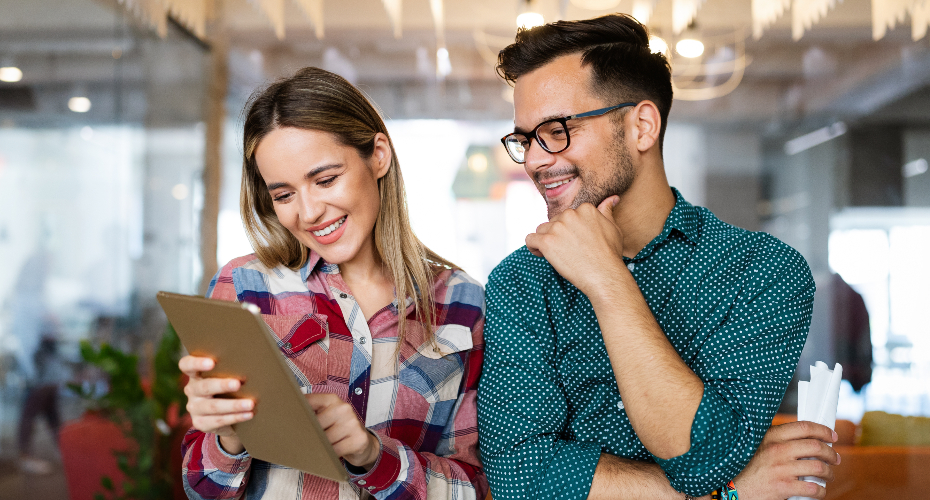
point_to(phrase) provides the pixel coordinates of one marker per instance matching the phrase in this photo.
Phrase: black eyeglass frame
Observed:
(562, 120)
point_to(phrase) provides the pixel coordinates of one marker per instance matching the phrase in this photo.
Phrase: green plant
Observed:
(143, 417)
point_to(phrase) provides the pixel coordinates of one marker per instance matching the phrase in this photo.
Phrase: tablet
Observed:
(284, 429)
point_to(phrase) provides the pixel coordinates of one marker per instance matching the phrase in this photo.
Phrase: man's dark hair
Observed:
(617, 48)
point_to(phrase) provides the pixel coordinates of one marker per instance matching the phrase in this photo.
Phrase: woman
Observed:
(324, 207)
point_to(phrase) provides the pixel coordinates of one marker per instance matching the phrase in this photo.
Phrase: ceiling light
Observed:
(530, 20)
(658, 45)
(443, 65)
(11, 74)
(478, 163)
(79, 104)
(179, 191)
(689, 48)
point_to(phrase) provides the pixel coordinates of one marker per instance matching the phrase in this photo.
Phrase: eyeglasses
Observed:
(552, 135)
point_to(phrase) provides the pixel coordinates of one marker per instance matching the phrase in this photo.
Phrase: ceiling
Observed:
(834, 71)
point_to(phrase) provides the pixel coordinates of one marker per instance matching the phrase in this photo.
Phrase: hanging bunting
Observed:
(642, 10)
(152, 12)
(313, 10)
(683, 12)
(192, 14)
(886, 14)
(393, 8)
(766, 12)
(806, 13)
(920, 19)
(274, 11)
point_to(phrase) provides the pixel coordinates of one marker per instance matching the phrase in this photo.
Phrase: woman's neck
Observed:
(365, 267)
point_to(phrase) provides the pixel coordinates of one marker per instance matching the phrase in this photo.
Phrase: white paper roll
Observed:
(817, 401)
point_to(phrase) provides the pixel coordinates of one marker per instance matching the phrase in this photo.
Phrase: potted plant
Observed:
(147, 418)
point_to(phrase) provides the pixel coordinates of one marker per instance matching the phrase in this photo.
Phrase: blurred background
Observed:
(120, 157)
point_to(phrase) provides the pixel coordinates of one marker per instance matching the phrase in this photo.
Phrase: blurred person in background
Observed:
(393, 382)
(637, 347)
(42, 398)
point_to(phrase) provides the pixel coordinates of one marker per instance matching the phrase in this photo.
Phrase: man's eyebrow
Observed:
(518, 130)
(309, 175)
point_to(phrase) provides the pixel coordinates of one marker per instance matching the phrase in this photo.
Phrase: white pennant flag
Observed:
(806, 13)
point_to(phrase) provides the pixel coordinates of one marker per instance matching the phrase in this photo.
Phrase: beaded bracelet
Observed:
(729, 492)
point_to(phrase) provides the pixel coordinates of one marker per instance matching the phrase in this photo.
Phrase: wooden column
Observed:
(215, 116)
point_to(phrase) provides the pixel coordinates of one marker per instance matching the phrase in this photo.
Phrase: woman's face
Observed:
(324, 192)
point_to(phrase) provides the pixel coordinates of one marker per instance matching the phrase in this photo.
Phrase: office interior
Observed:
(120, 158)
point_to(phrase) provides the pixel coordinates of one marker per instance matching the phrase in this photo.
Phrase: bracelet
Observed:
(715, 495)
(729, 492)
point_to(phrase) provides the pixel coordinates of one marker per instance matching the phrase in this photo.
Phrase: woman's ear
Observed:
(381, 157)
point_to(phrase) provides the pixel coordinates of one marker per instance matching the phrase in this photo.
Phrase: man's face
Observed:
(596, 164)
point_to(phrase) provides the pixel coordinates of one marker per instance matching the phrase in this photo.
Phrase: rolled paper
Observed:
(817, 401)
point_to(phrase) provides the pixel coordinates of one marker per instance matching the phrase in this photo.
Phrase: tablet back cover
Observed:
(284, 429)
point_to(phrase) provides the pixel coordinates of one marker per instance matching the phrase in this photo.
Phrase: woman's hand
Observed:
(209, 413)
(349, 437)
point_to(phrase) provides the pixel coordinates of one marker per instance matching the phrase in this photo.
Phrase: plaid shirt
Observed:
(421, 406)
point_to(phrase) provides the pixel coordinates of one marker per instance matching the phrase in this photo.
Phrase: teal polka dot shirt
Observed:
(735, 304)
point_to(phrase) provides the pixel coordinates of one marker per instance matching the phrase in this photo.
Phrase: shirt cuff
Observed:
(572, 459)
(383, 473)
(716, 451)
(222, 460)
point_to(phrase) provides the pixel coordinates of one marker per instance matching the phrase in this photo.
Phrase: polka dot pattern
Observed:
(735, 304)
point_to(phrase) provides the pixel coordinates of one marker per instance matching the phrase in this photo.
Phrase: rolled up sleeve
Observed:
(522, 411)
(746, 366)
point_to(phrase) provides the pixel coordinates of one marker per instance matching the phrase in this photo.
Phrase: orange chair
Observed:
(87, 446)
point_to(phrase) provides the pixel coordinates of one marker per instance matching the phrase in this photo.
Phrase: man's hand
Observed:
(773, 472)
(582, 244)
(348, 435)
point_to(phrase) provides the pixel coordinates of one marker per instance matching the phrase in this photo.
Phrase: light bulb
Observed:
(689, 48)
(79, 104)
(11, 74)
(658, 45)
(529, 20)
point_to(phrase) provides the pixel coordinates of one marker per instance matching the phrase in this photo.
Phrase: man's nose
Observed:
(536, 158)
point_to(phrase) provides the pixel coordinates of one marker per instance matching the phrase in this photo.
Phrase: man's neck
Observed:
(643, 209)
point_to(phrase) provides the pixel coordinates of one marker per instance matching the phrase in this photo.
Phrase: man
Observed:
(638, 347)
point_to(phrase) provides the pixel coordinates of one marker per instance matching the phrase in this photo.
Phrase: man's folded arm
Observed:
(522, 414)
(745, 376)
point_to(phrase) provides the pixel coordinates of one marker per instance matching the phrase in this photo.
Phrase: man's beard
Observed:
(595, 191)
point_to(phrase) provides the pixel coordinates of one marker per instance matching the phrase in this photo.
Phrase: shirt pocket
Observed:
(303, 340)
(435, 370)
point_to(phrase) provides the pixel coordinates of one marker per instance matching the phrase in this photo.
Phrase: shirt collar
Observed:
(310, 265)
(315, 261)
(684, 218)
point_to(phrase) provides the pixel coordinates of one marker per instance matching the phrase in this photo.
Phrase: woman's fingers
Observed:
(208, 387)
(218, 406)
(193, 365)
(220, 424)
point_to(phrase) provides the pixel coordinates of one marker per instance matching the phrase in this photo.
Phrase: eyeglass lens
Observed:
(552, 136)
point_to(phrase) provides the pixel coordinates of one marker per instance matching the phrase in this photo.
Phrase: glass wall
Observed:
(101, 154)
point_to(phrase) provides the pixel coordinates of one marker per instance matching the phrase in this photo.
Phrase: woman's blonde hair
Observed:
(314, 99)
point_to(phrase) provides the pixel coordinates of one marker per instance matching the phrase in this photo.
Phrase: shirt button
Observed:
(361, 482)
(358, 391)
(631, 266)
(287, 345)
(371, 488)
(361, 340)
(343, 296)
(620, 405)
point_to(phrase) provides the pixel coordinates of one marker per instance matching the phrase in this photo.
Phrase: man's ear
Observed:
(646, 125)
(381, 157)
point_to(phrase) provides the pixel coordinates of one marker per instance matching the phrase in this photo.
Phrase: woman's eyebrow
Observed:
(309, 175)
